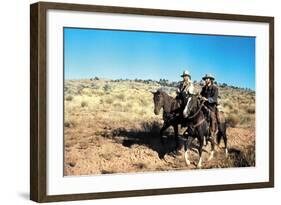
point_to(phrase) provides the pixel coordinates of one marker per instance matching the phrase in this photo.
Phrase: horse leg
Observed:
(225, 144)
(201, 141)
(212, 148)
(187, 146)
(223, 131)
(219, 135)
(164, 140)
(176, 130)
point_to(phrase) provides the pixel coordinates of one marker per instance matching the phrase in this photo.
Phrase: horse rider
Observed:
(209, 94)
(185, 89)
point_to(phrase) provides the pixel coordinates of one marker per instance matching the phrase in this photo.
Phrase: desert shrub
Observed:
(69, 98)
(245, 158)
(127, 107)
(95, 86)
(69, 123)
(232, 120)
(251, 110)
(227, 105)
(118, 107)
(99, 93)
(121, 96)
(140, 165)
(84, 104)
(144, 101)
(107, 88)
(109, 100)
(249, 156)
(245, 120)
(142, 112)
(230, 106)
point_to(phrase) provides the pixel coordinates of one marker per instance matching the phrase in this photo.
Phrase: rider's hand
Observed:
(205, 99)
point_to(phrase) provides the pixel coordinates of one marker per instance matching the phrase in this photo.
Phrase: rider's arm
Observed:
(214, 97)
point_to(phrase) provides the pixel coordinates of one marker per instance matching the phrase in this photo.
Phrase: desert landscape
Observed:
(110, 127)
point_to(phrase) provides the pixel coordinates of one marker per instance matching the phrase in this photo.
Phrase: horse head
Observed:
(158, 100)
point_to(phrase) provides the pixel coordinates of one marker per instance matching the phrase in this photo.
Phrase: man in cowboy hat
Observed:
(185, 89)
(209, 94)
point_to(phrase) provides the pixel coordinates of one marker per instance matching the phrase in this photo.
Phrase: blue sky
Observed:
(152, 55)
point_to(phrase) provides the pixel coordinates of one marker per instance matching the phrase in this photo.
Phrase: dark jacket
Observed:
(211, 93)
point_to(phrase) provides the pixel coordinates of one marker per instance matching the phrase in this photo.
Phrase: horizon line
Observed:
(149, 79)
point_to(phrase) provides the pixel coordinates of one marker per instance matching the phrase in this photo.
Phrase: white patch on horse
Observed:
(199, 165)
(205, 141)
(212, 155)
(186, 107)
(226, 151)
(186, 156)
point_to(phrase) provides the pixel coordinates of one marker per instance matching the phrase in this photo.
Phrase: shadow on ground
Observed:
(148, 135)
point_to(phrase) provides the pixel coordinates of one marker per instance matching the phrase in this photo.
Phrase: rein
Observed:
(199, 123)
(197, 112)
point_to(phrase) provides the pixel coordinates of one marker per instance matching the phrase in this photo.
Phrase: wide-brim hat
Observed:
(208, 76)
(186, 73)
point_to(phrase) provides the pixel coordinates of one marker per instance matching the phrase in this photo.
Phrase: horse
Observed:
(200, 128)
(222, 132)
(171, 107)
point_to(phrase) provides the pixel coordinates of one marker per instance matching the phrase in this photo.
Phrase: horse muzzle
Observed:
(156, 111)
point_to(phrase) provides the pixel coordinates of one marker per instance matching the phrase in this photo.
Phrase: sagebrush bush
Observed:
(69, 123)
(121, 96)
(84, 104)
(69, 98)
(109, 100)
(232, 120)
(106, 87)
(251, 110)
(245, 120)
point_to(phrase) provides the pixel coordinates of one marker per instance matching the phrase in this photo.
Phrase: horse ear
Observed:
(152, 92)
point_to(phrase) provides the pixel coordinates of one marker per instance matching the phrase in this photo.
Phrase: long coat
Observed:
(186, 88)
(211, 93)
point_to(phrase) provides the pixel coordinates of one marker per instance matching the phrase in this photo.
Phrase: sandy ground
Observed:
(122, 151)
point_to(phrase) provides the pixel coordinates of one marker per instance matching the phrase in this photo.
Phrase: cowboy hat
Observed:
(186, 73)
(208, 76)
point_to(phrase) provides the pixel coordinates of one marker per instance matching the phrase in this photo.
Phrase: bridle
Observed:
(197, 112)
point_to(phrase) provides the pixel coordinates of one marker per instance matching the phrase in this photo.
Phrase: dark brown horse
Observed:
(200, 128)
(171, 112)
